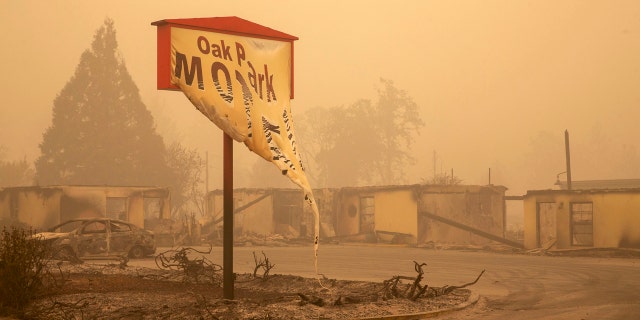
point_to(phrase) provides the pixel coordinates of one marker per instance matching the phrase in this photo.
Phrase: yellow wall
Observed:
(347, 220)
(136, 210)
(529, 222)
(35, 207)
(616, 220)
(396, 211)
(135, 200)
(44, 207)
(616, 217)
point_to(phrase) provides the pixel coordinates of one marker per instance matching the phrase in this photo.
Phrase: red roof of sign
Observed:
(229, 25)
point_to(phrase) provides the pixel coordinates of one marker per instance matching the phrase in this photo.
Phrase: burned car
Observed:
(98, 238)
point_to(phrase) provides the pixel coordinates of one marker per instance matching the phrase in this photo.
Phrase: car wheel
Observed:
(136, 252)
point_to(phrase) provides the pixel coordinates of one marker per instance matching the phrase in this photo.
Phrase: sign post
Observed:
(227, 218)
(239, 74)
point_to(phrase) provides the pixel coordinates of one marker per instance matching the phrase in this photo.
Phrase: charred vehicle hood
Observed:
(51, 235)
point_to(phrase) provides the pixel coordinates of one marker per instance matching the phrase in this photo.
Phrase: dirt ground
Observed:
(115, 291)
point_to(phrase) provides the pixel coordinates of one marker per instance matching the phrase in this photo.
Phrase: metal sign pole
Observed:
(227, 228)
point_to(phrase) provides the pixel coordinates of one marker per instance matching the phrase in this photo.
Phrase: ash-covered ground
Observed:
(118, 291)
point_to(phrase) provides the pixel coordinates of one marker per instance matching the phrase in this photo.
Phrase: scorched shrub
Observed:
(23, 265)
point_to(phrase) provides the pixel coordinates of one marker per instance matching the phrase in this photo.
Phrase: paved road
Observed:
(513, 286)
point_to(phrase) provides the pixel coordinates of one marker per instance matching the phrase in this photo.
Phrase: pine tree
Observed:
(101, 132)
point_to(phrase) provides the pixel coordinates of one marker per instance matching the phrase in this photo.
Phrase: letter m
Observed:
(196, 69)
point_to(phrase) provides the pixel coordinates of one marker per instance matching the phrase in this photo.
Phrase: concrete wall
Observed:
(479, 207)
(448, 205)
(530, 218)
(547, 222)
(258, 218)
(16, 204)
(395, 211)
(215, 205)
(348, 214)
(44, 207)
(82, 202)
(616, 217)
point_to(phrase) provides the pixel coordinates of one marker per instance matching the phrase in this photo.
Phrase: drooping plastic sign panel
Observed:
(240, 76)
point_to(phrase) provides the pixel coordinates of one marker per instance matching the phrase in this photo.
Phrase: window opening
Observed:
(117, 208)
(152, 208)
(119, 227)
(95, 227)
(582, 224)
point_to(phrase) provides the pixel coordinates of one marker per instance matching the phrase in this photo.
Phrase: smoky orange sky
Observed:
(489, 77)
